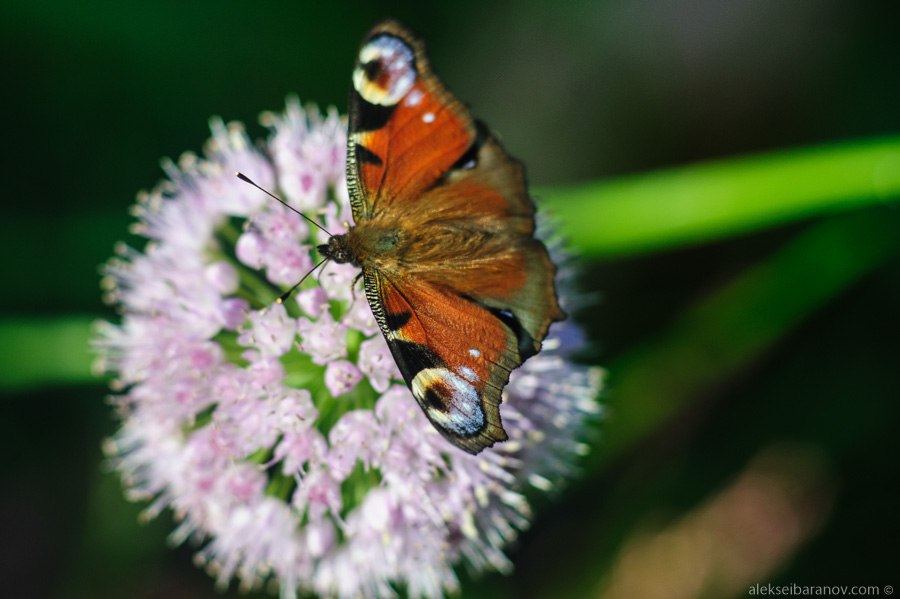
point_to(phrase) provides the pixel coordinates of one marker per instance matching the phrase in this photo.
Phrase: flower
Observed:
(282, 436)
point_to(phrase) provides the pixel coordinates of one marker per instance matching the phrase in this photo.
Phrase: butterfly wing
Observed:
(462, 290)
(406, 130)
(443, 345)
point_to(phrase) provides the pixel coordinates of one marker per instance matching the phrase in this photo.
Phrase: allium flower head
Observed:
(282, 436)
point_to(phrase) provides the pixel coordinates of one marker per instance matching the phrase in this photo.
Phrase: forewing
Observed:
(406, 130)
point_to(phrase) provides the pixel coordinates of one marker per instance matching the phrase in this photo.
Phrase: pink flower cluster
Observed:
(282, 436)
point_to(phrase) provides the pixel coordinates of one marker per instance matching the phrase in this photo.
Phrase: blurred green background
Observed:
(746, 311)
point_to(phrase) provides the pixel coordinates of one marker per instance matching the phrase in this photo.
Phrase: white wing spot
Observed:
(474, 353)
(428, 117)
(414, 97)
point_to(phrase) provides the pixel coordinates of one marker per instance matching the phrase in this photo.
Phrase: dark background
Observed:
(97, 92)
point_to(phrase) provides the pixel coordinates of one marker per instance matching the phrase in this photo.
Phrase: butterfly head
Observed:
(338, 249)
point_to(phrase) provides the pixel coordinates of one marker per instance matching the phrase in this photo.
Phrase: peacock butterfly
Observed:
(444, 235)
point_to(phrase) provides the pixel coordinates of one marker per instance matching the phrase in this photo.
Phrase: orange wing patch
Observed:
(406, 130)
(443, 344)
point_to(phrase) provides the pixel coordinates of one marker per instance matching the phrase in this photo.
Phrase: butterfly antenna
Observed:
(247, 179)
(321, 272)
(284, 296)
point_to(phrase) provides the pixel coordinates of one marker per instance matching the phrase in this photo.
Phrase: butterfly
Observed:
(444, 237)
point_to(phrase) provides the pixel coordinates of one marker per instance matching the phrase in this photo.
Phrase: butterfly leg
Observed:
(353, 286)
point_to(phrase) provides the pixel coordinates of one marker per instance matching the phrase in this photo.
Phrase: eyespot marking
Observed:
(450, 401)
(468, 374)
(385, 70)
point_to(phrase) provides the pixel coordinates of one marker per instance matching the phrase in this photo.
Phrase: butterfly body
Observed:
(444, 236)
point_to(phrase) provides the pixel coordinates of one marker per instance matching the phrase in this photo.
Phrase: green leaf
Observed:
(45, 351)
(709, 201)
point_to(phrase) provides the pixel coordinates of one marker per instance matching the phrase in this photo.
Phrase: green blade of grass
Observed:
(45, 352)
(703, 202)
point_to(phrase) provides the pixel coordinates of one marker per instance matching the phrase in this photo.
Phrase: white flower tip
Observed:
(539, 482)
(99, 366)
(535, 437)
(108, 283)
(188, 161)
(589, 406)
(550, 344)
(597, 377)
(501, 563)
(481, 496)
(267, 119)
(468, 527)
(511, 447)
(561, 421)
(109, 447)
(582, 449)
